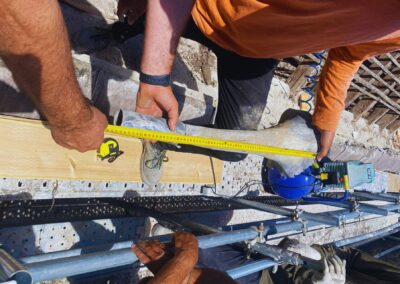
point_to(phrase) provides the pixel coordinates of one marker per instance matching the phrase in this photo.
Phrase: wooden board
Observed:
(393, 183)
(386, 120)
(29, 152)
(362, 107)
(376, 114)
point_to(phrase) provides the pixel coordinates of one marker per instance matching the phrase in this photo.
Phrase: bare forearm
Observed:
(165, 22)
(35, 47)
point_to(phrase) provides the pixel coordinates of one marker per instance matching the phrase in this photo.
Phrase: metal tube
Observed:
(392, 207)
(269, 230)
(388, 251)
(81, 264)
(283, 227)
(75, 265)
(393, 238)
(75, 252)
(369, 236)
(361, 207)
(320, 218)
(226, 238)
(375, 196)
(250, 268)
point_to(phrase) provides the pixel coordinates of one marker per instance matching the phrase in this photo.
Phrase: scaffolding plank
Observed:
(393, 183)
(394, 126)
(362, 107)
(376, 114)
(351, 98)
(30, 153)
(386, 120)
(298, 78)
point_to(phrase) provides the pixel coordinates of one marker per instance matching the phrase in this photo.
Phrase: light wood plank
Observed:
(29, 152)
(393, 183)
(376, 114)
(362, 107)
(298, 79)
(351, 98)
(394, 126)
(386, 120)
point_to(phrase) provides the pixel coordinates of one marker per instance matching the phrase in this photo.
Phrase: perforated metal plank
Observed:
(235, 175)
(23, 212)
(32, 240)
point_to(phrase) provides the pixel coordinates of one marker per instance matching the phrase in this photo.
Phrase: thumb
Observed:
(326, 267)
(172, 121)
(173, 117)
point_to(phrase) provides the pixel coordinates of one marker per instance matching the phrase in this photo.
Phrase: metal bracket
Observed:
(297, 217)
(260, 236)
(354, 206)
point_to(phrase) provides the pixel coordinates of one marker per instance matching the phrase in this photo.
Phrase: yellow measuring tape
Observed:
(206, 142)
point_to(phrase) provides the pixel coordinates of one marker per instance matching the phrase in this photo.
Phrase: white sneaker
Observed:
(151, 163)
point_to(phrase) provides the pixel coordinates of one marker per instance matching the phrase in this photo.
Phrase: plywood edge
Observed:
(393, 183)
(31, 153)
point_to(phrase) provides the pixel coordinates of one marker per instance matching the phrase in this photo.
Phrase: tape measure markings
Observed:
(205, 142)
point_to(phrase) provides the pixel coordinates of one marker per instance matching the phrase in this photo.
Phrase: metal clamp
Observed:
(260, 236)
(355, 206)
(297, 212)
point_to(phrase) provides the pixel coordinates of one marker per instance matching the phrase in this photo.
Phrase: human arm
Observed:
(165, 22)
(168, 268)
(34, 45)
(339, 69)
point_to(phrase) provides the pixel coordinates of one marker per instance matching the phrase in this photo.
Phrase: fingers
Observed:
(155, 100)
(326, 267)
(140, 255)
(184, 240)
(344, 267)
(331, 267)
(337, 264)
(153, 249)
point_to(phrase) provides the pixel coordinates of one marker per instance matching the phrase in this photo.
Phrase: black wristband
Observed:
(158, 80)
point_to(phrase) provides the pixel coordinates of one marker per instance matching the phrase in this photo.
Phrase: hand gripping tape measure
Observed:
(206, 142)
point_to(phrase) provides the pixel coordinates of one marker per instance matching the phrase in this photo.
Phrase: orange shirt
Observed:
(353, 29)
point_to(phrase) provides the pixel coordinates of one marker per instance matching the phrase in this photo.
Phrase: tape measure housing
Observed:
(109, 149)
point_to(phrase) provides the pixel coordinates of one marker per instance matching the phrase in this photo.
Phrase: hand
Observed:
(154, 100)
(152, 254)
(187, 244)
(149, 251)
(83, 133)
(326, 143)
(334, 272)
(133, 9)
